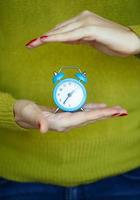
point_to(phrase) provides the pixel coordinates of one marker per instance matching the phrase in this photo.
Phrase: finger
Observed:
(61, 37)
(66, 28)
(104, 113)
(92, 106)
(78, 118)
(34, 43)
(73, 35)
(77, 18)
(72, 20)
(77, 42)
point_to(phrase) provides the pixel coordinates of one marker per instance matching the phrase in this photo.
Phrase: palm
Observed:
(31, 115)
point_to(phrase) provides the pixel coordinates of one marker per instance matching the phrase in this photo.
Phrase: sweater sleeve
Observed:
(136, 30)
(6, 112)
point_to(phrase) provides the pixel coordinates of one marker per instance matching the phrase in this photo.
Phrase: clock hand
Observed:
(69, 95)
(65, 100)
(71, 92)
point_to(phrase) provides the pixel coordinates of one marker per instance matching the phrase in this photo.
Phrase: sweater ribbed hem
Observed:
(68, 161)
(7, 119)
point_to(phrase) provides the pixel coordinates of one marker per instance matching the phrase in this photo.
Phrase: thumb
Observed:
(43, 124)
(29, 114)
(35, 116)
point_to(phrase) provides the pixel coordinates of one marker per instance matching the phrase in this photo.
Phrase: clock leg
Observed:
(82, 109)
(56, 110)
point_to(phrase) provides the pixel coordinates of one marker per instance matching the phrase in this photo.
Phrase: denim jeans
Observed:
(121, 187)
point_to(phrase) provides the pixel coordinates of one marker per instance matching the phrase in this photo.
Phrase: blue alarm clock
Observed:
(69, 94)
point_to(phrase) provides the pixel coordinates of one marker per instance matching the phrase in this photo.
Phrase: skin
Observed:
(86, 28)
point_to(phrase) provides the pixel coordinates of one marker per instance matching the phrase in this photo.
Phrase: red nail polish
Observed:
(115, 114)
(43, 37)
(31, 42)
(123, 114)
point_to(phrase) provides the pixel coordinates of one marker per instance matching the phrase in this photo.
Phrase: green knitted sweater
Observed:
(85, 154)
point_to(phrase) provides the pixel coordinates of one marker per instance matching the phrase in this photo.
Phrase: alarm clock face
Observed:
(69, 94)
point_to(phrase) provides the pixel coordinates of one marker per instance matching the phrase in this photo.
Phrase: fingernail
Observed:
(123, 114)
(29, 43)
(44, 37)
(115, 114)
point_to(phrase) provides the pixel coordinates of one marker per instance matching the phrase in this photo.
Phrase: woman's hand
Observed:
(89, 28)
(30, 115)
